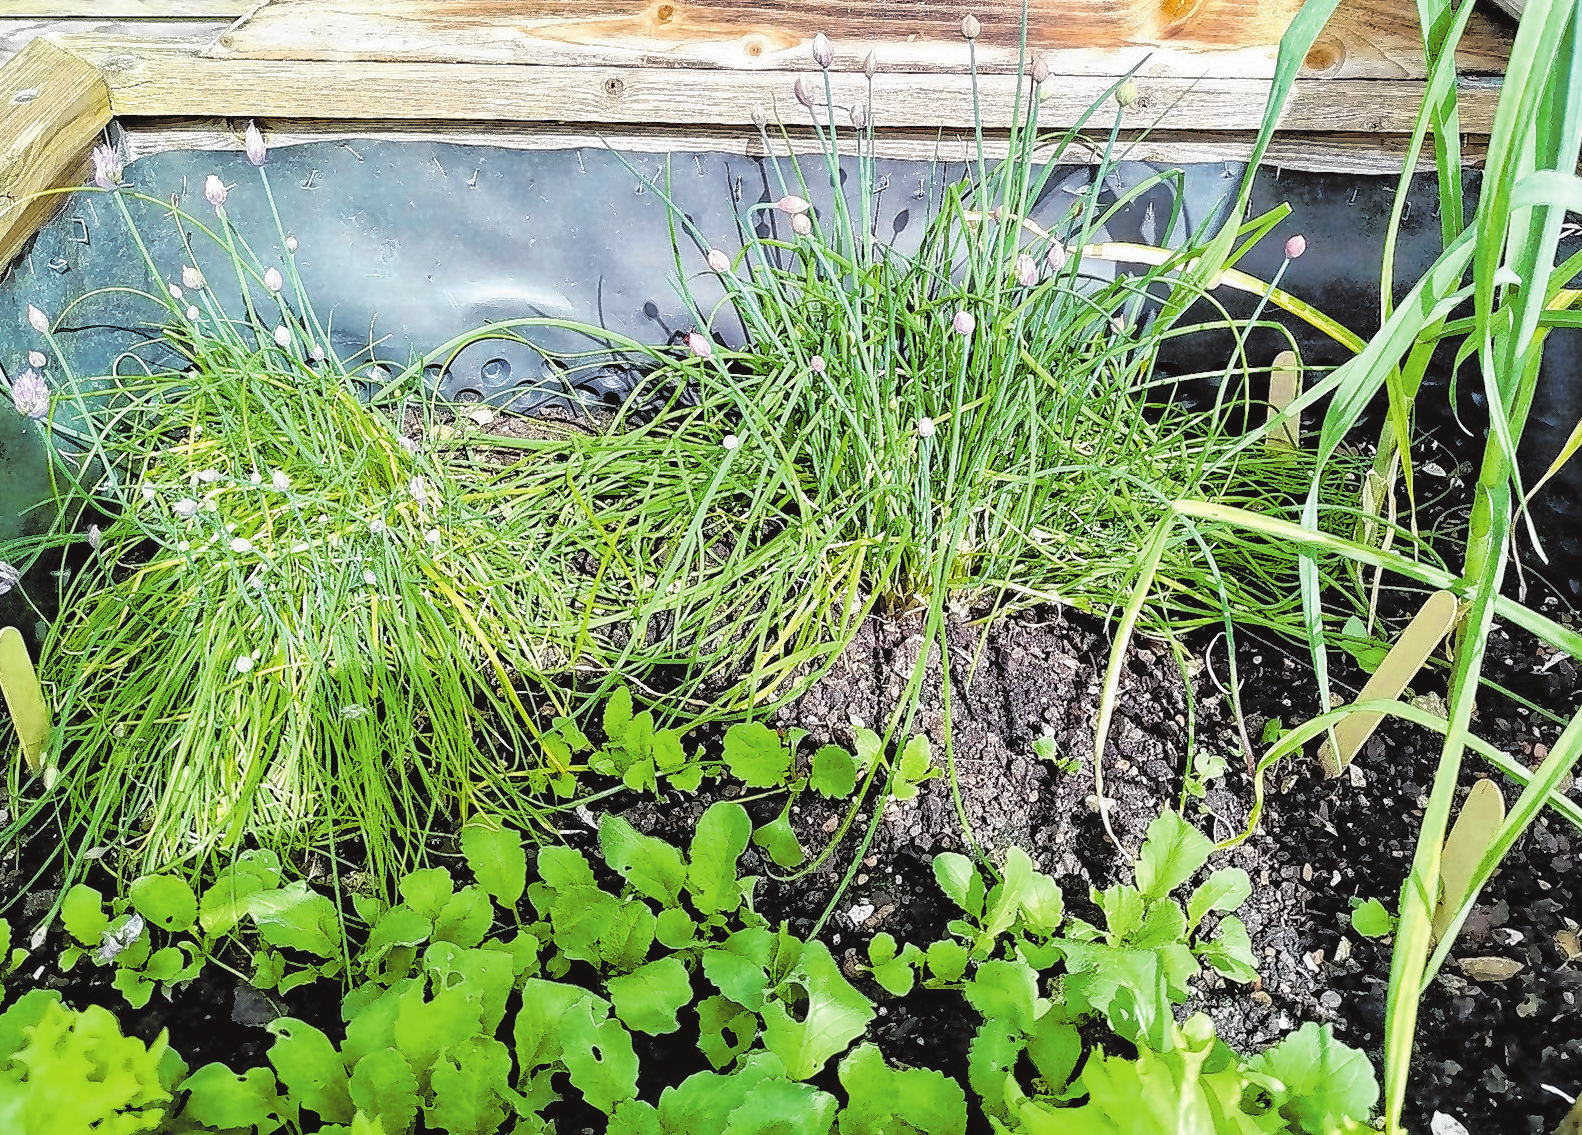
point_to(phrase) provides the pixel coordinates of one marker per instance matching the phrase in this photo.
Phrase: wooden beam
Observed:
(1197, 38)
(1320, 153)
(123, 9)
(158, 79)
(53, 107)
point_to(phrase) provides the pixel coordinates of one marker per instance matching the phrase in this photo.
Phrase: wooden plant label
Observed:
(1285, 379)
(1481, 816)
(23, 698)
(1405, 659)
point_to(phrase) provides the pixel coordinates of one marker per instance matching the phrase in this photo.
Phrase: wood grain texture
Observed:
(15, 34)
(1220, 38)
(1325, 153)
(53, 107)
(166, 80)
(124, 9)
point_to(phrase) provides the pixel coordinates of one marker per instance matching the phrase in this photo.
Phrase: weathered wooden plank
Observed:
(53, 106)
(1220, 38)
(1328, 153)
(15, 34)
(164, 80)
(124, 9)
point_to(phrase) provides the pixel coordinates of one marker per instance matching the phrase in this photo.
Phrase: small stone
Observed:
(1490, 968)
(1330, 999)
(860, 913)
(1570, 943)
(1262, 999)
(1529, 1006)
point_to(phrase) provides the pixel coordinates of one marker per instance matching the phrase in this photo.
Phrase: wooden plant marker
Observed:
(1482, 813)
(1285, 379)
(23, 697)
(1405, 659)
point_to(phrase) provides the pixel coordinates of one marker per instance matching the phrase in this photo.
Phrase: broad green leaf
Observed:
(427, 891)
(1043, 906)
(781, 1106)
(495, 855)
(467, 1082)
(703, 1102)
(398, 926)
(834, 772)
(424, 1026)
(1164, 924)
(310, 1068)
(725, 1030)
(893, 970)
(652, 866)
(1372, 920)
(634, 1117)
(880, 1098)
(1005, 900)
(624, 946)
(1225, 889)
(991, 1063)
(298, 918)
(618, 715)
(220, 1098)
(741, 978)
(647, 999)
(1172, 854)
(868, 745)
(383, 1087)
(1230, 952)
(1123, 909)
(674, 928)
(721, 837)
(916, 766)
(536, 1031)
(598, 1054)
(466, 918)
(1004, 991)
(947, 959)
(960, 881)
(133, 986)
(780, 842)
(485, 976)
(834, 1014)
(165, 901)
(370, 1021)
(754, 754)
(564, 867)
(82, 910)
(1055, 1048)
(1128, 987)
(165, 964)
(1329, 1083)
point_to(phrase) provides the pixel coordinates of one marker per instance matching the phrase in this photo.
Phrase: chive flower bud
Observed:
(1126, 94)
(718, 261)
(191, 278)
(859, 115)
(280, 480)
(95, 536)
(256, 477)
(214, 191)
(176, 292)
(803, 90)
(925, 427)
(253, 145)
(1026, 271)
(816, 364)
(1056, 256)
(1295, 246)
(37, 320)
(37, 359)
(370, 578)
(206, 476)
(241, 545)
(731, 441)
(432, 536)
(9, 577)
(192, 312)
(870, 65)
(419, 490)
(272, 279)
(149, 492)
(970, 27)
(1040, 69)
(244, 664)
(107, 166)
(801, 224)
(316, 352)
(791, 204)
(291, 243)
(282, 336)
(186, 508)
(30, 394)
(760, 119)
(823, 53)
(699, 344)
(964, 323)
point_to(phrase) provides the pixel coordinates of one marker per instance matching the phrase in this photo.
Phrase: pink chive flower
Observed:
(282, 336)
(186, 508)
(925, 427)
(1026, 271)
(718, 261)
(191, 278)
(803, 90)
(253, 145)
(823, 53)
(792, 205)
(964, 323)
(214, 191)
(30, 394)
(816, 364)
(107, 167)
(1295, 246)
(699, 345)
(802, 224)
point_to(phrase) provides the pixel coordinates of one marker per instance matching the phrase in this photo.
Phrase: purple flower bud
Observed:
(106, 167)
(823, 53)
(925, 427)
(30, 394)
(37, 320)
(802, 224)
(95, 536)
(282, 336)
(272, 279)
(699, 345)
(859, 115)
(1040, 69)
(760, 119)
(37, 359)
(870, 65)
(253, 144)
(291, 243)
(1295, 246)
(964, 323)
(1026, 271)
(803, 90)
(816, 364)
(9, 577)
(1056, 256)
(793, 205)
(214, 191)
(718, 261)
(191, 278)
(970, 27)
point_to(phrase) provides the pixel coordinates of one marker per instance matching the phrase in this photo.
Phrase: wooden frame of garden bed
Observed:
(668, 75)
